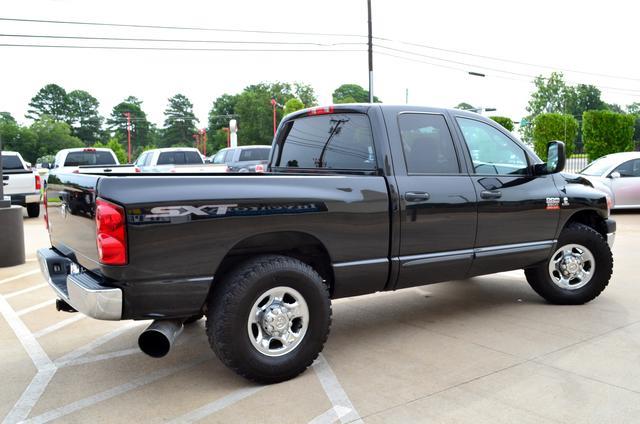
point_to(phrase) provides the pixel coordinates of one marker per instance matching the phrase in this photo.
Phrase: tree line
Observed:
(62, 119)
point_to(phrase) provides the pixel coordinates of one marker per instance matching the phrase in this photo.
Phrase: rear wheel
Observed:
(33, 210)
(577, 271)
(269, 318)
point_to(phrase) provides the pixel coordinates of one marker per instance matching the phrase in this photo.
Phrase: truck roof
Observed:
(174, 149)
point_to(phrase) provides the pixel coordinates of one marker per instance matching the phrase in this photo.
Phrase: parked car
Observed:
(89, 159)
(243, 158)
(21, 183)
(174, 159)
(359, 199)
(618, 175)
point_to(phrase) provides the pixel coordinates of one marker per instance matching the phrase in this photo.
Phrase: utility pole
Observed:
(128, 115)
(273, 105)
(3, 203)
(370, 55)
(406, 96)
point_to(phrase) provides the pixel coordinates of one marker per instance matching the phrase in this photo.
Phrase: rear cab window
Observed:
(179, 158)
(255, 153)
(88, 157)
(11, 162)
(340, 141)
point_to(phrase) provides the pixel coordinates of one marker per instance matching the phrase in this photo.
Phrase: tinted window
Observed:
(141, 159)
(337, 141)
(254, 154)
(89, 158)
(11, 162)
(491, 151)
(630, 168)
(427, 143)
(179, 158)
(219, 157)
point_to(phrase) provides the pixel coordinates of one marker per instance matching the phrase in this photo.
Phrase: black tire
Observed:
(33, 210)
(192, 319)
(233, 299)
(540, 280)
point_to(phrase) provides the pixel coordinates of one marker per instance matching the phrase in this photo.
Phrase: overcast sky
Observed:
(587, 36)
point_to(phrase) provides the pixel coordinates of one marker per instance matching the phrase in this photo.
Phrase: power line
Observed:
(630, 92)
(517, 62)
(59, 46)
(170, 40)
(184, 28)
(471, 65)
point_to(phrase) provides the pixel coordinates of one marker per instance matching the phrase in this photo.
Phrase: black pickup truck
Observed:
(356, 199)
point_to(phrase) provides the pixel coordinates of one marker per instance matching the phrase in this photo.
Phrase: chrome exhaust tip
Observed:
(157, 339)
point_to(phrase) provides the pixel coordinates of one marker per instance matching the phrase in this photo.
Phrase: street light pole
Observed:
(370, 54)
(128, 114)
(273, 105)
(3, 203)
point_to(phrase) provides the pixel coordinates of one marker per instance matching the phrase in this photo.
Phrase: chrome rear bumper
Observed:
(80, 289)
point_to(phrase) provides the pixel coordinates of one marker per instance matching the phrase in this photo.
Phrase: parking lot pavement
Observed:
(486, 349)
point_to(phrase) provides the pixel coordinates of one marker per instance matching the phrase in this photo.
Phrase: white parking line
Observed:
(34, 350)
(19, 276)
(331, 416)
(23, 291)
(96, 358)
(82, 350)
(216, 406)
(25, 311)
(334, 390)
(30, 396)
(57, 326)
(72, 407)
(40, 359)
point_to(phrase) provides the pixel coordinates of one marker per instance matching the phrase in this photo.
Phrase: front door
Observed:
(518, 212)
(626, 187)
(438, 202)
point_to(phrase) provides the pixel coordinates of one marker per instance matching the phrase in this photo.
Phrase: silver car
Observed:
(618, 175)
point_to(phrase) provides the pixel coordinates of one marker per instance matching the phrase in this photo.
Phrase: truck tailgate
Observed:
(19, 182)
(71, 200)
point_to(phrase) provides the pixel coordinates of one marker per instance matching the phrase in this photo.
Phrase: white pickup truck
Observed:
(175, 160)
(89, 160)
(21, 183)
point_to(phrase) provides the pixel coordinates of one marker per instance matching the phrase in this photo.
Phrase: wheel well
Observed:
(591, 219)
(301, 246)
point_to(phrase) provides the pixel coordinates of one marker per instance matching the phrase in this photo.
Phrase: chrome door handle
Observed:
(491, 194)
(416, 196)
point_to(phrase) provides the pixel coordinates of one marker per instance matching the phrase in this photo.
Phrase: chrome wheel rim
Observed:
(278, 321)
(572, 266)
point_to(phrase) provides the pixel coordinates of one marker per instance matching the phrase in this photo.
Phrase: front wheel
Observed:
(269, 318)
(577, 271)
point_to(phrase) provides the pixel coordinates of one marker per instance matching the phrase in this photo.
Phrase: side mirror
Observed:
(615, 174)
(556, 159)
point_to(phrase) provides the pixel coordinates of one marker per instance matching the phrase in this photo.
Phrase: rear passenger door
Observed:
(438, 201)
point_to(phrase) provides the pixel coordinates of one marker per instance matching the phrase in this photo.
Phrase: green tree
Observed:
(292, 105)
(305, 93)
(554, 126)
(465, 106)
(84, 118)
(614, 107)
(179, 123)
(607, 132)
(142, 131)
(352, 93)
(634, 108)
(552, 95)
(507, 123)
(117, 148)
(6, 117)
(222, 111)
(51, 100)
(581, 98)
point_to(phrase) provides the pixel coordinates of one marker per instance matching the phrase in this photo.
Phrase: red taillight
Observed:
(323, 110)
(75, 171)
(38, 182)
(136, 169)
(111, 233)
(88, 149)
(46, 211)
(259, 168)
